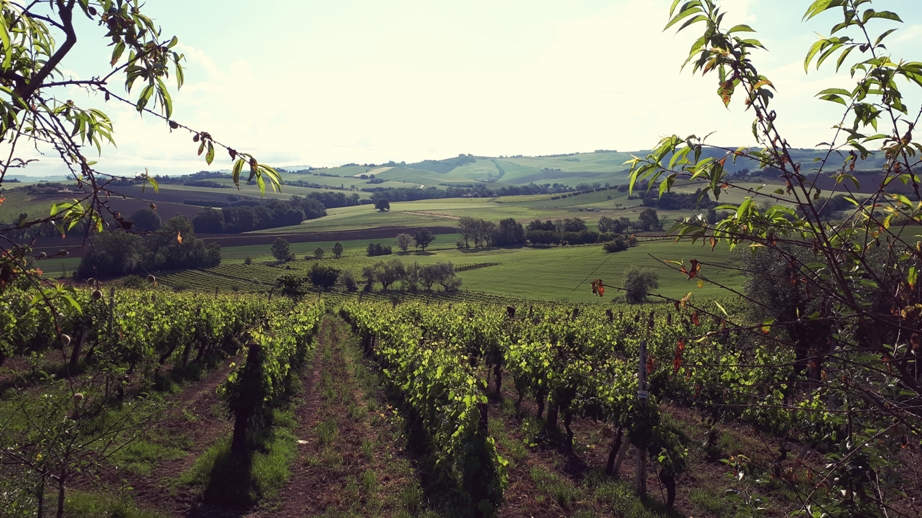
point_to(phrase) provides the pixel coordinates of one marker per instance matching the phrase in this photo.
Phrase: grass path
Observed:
(351, 458)
(150, 464)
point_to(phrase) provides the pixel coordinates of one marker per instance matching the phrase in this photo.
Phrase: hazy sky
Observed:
(325, 83)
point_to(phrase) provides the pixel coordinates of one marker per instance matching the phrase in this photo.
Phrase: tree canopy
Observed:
(39, 118)
(840, 297)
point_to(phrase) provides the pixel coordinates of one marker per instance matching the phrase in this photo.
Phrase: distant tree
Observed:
(423, 238)
(318, 253)
(429, 275)
(146, 220)
(291, 286)
(348, 281)
(323, 277)
(375, 249)
(368, 274)
(539, 225)
(508, 233)
(638, 282)
(281, 250)
(337, 250)
(484, 234)
(413, 277)
(389, 272)
(112, 254)
(175, 247)
(447, 278)
(209, 221)
(383, 205)
(616, 226)
(573, 225)
(617, 245)
(649, 220)
(467, 227)
(543, 237)
(403, 241)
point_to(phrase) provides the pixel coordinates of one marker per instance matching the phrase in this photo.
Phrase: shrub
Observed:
(637, 284)
(618, 245)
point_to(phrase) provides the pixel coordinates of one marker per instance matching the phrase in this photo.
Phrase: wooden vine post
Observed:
(640, 470)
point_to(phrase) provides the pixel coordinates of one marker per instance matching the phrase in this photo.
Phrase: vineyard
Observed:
(221, 405)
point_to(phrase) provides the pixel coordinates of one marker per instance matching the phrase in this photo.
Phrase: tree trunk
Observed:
(540, 398)
(60, 513)
(552, 410)
(622, 453)
(241, 422)
(498, 374)
(75, 354)
(41, 498)
(668, 480)
(615, 450)
(567, 419)
(185, 353)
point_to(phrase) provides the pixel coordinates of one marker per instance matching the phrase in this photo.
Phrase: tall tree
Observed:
(403, 241)
(281, 250)
(423, 238)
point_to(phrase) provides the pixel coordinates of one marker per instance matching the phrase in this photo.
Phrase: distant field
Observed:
(559, 273)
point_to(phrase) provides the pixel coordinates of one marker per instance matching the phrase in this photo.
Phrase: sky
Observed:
(322, 83)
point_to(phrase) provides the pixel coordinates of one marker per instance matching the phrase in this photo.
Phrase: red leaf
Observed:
(677, 362)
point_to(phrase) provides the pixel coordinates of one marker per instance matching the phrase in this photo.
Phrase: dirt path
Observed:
(350, 457)
(191, 425)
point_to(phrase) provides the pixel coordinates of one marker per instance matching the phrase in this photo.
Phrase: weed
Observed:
(559, 489)
(90, 505)
(326, 431)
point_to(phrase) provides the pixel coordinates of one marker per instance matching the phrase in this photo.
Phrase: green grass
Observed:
(557, 273)
(79, 504)
(142, 455)
(241, 480)
(559, 489)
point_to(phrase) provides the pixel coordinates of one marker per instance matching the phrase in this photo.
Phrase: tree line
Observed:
(413, 278)
(269, 214)
(174, 246)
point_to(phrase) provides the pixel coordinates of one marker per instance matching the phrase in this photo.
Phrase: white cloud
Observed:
(611, 80)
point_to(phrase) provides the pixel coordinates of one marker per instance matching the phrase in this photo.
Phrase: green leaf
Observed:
(837, 91)
(261, 183)
(844, 55)
(743, 208)
(8, 49)
(886, 15)
(209, 157)
(152, 182)
(819, 6)
(73, 303)
(238, 167)
(165, 97)
(883, 35)
(912, 277)
(740, 28)
(812, 52)
(693, 9)
(117, 53)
